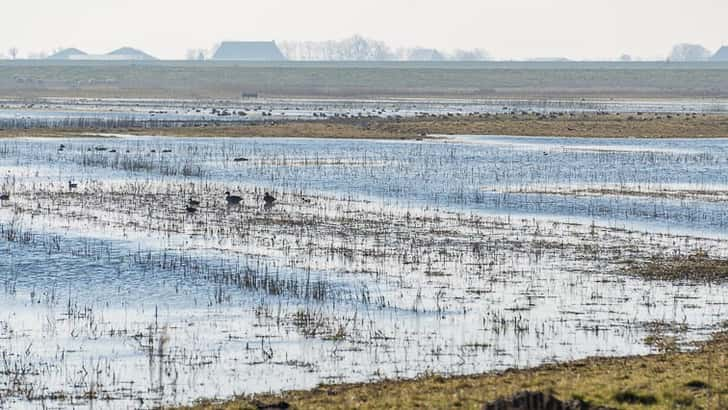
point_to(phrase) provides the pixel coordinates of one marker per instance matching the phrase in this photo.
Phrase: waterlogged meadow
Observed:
(128, 279)
(95, 113)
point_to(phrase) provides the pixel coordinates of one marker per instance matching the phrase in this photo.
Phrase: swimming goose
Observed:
(232, 199)
(194, 202)
(269, 199)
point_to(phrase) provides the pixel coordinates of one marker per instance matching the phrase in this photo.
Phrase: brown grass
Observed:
(580, 125)
(698, 267)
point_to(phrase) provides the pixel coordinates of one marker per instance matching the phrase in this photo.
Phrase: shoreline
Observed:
(694, 379)
(592, 125)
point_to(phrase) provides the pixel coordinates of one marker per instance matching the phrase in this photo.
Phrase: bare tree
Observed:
(38, 55)
(470, 55)
(13, 52)
(355, 48)
(689, 52)
(359, 48)
(196, 54)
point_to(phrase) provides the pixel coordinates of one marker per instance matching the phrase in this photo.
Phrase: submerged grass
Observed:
(420, 260)
(698, 267)
(697, 379)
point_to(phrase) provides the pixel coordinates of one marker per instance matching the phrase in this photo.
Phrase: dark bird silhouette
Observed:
(4, 197)
(232, 199)
(269, 199)
(72, 185)
(194, 202)
(190, 209)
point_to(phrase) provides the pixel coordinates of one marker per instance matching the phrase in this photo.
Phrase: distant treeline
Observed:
(359, 48)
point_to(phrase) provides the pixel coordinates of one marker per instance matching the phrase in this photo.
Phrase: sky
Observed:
(507, 29)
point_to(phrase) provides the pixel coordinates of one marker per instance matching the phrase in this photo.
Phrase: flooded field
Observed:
(130, 279)
(86, 113)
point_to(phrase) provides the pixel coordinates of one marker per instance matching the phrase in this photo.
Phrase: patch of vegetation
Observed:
(697, 384)
(699, 267)
(631, 397)
(662, 343)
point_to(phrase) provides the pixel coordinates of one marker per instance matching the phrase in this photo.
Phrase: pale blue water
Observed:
(89, 290)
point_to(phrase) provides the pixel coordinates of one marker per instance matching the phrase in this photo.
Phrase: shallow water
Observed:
(58, 112)
(382, 259)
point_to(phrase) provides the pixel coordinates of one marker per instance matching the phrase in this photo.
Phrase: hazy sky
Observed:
(508, 29)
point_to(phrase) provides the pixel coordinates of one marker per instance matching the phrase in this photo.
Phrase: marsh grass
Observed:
(345, 274)
(695, 267)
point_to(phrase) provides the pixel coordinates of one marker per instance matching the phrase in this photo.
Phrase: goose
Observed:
(194, 202)
(190, 209)
(4, 197)
(232, 199)
(72, 185)
(268, 198)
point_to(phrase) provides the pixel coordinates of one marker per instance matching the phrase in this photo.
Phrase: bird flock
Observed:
(192, 205)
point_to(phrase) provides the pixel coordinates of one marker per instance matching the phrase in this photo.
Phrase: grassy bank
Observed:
(696, 379)
(579, 125)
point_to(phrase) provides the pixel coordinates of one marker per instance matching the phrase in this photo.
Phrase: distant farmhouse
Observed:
(122, 54)
(249, 51)
(128, 53)
(721, 55)
(67, 54)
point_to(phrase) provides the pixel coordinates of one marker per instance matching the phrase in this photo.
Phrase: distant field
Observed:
(181, 79)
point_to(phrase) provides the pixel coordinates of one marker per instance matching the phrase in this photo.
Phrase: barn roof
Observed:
(249, 50)
(131, 53)
(66, 54)
(721, 55)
